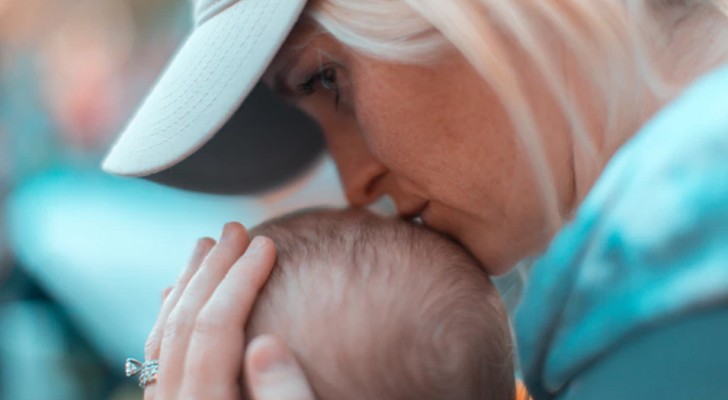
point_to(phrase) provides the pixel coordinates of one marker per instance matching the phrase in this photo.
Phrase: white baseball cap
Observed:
(211, 89)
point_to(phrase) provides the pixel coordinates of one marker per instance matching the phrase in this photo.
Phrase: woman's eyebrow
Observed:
(280, 84)
(280, 81)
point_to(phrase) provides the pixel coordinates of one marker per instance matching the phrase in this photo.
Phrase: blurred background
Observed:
(84, 256)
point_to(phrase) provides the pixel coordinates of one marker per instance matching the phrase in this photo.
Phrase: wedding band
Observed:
(146, 370)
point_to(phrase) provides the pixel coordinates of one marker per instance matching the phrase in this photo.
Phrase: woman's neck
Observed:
(692, 43)
(695, 42)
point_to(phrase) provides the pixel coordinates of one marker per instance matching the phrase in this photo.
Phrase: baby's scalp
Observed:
(377, 308)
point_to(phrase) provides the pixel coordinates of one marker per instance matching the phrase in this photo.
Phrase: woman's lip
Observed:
(422, 212)
(416, 213)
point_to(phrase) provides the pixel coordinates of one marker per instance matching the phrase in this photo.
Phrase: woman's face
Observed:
(433, 137)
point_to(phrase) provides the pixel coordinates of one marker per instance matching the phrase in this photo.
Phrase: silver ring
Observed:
(146, 370)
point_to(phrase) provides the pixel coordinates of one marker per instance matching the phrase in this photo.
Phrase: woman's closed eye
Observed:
(326, 78)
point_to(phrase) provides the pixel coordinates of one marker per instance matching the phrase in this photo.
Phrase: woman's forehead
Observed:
(306, 35)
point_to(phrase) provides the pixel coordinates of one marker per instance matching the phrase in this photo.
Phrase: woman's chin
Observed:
(495, 264)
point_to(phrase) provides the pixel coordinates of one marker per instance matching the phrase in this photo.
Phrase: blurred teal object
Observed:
(34, 349)
(105, 247)
(31, 143)
(647, 253)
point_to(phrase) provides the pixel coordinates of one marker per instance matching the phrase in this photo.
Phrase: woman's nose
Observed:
(366, 179)
(360, 173)
(362, 177)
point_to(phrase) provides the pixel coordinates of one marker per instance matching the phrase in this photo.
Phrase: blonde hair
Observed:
(607, 40)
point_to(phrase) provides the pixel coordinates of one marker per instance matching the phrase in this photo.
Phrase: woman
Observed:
(591, 135)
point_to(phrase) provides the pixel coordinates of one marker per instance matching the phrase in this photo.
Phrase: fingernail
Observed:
(226, 232)
(198, 248)
(270, 360)
(256, 245)
(165, 293)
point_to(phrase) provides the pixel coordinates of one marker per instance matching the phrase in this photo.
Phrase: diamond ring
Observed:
(146, 370)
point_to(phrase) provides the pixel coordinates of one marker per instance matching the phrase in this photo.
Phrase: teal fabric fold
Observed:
(648, 244)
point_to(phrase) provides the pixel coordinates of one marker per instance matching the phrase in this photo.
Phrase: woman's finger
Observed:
(169, 300)
(216, 346)
(165, 293)
(150, 394)
(180, 324)
(272, 372)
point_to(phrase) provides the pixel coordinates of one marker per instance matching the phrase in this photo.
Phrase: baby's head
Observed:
(378, 308)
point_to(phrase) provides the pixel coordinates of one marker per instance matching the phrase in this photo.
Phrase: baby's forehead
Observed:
(325, 253)
(330, 232)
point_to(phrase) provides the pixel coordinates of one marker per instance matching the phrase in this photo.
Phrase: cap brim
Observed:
(264, 145)
(207, 91)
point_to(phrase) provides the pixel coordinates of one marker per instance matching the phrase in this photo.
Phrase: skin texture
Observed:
(432, 137)
(449, 157)
(198, 338)
(436, 136)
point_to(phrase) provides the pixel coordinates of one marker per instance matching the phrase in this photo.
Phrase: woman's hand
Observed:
(198, 337)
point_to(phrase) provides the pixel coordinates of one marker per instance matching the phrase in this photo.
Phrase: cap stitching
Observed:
(195, 72)
(210, 100)
(213, 8)
(199, 87)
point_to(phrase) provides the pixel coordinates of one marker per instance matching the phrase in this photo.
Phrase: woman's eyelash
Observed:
(326, 77)
(307, 87)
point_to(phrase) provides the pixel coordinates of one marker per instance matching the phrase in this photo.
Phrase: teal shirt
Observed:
(646, 251)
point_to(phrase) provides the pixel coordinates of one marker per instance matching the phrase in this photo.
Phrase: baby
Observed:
(381, 309)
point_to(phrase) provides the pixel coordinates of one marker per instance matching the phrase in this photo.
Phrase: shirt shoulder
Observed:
(649, 243)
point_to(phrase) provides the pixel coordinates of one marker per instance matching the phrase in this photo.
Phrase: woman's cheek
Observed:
(376, 134)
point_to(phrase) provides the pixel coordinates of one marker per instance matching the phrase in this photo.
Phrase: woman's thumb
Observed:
(272, 372)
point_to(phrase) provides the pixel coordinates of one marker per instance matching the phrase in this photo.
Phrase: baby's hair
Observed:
(379, 308)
